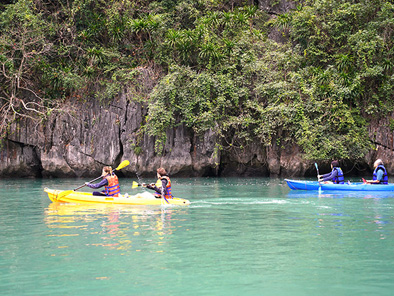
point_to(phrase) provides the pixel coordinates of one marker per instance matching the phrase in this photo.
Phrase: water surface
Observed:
(238, 237)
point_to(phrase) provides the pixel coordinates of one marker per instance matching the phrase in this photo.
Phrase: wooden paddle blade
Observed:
(122, 165)
(64, 193)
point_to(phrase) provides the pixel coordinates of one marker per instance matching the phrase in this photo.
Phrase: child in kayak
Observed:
(162, 186)
(335, 176)
(110, 182)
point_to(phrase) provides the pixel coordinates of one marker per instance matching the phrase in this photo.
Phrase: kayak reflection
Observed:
(339, 194)
(113, 226)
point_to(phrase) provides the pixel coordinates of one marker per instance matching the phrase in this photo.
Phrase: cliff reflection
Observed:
(119, 227)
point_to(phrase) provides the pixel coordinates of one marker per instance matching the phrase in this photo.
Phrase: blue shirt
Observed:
(379, 175)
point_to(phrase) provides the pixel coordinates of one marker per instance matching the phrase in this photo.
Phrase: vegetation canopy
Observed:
(215, 66)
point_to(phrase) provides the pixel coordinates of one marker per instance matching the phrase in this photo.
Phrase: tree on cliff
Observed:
(23, 46)
(319, 90)
(216, 67)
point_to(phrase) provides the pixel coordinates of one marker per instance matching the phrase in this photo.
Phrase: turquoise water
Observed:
(238, 237)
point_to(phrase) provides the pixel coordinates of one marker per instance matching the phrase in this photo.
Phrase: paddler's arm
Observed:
(320, 177)
(103, 182)
(379, 177)
(329, 176)
(373, 181)
(163, 187)
(153, 187)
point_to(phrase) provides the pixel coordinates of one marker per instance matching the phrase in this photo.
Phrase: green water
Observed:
(238, 237)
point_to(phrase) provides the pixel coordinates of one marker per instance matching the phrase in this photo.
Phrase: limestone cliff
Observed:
(79, 142)
(89, 135)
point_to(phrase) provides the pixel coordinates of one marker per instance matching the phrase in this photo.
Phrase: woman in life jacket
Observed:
(335, 176)
(379, 175)
(110, 182)
(162, 187)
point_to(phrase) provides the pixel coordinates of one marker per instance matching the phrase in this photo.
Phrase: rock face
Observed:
(87, 137)
(383, 138)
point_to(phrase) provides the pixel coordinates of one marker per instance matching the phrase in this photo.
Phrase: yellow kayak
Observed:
(144, 198)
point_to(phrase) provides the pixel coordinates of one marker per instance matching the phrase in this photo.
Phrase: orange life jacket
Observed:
(168, 187)
(113, 188)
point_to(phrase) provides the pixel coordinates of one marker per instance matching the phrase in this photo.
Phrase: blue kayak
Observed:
(358, 186)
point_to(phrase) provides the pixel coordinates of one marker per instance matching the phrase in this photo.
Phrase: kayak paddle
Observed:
(317, 169)
(135, 185)
(123, 164)
(166, 199)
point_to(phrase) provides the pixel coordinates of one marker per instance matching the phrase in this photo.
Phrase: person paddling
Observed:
(162, 186)
(110, 182)
(335, 176)
(379, 175)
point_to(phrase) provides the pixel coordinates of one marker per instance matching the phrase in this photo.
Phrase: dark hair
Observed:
(161, 172)
(335, 163)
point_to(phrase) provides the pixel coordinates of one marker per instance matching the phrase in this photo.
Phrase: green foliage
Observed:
(24, 46)
(214, 66)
